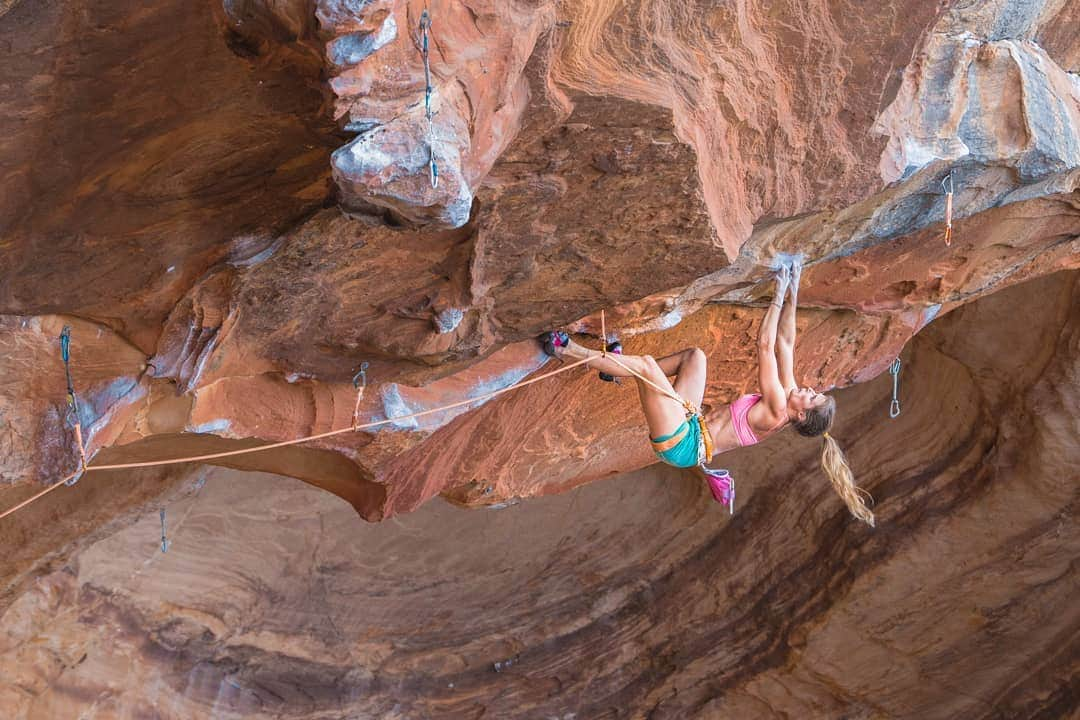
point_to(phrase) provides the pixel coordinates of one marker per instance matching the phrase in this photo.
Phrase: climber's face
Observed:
(800, 400)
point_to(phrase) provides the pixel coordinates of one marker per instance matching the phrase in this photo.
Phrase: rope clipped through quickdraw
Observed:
(359, 382)
(73, 402)
(894, 406)
(425, 29)
(948, 206)
(472, 401)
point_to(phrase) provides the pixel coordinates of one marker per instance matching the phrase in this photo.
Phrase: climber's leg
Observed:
(689, 368)
(670, 365)
(663, 414)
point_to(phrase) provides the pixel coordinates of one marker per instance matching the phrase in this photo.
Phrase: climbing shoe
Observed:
(614, 347)
(552, 340)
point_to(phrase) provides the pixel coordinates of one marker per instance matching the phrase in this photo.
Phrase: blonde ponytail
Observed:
(835, 466)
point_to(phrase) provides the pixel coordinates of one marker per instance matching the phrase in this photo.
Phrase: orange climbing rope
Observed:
(46, 491)
(269, 446)
(354, 427)
(689, 406)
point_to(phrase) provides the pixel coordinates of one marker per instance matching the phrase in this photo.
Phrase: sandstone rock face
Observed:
(231, 205)
(596, 180)
(477, 53)
(636, 596)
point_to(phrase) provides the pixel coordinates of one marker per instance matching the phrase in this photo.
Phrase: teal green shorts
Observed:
(680, 448)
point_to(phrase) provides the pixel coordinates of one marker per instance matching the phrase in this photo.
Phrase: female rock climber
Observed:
(677, 428)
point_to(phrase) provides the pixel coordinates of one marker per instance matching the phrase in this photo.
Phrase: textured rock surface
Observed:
(632, 597)
(230, 205)
(477, 54)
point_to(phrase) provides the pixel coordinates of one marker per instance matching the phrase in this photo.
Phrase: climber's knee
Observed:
(651, 368)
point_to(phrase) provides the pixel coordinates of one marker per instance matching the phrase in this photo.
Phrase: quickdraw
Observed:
(73, 403)
(948, 206)
(894, 406)
(425, 29)
(359, 382)
(164, 541)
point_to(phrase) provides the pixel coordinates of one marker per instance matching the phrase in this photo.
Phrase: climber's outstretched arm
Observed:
(785, 341)
(772, 390)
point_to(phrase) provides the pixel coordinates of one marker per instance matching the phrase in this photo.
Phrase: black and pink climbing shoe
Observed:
(554, 340)
(614, 347)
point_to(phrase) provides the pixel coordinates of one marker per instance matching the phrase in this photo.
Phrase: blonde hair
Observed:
(817, 422)
(835, 466)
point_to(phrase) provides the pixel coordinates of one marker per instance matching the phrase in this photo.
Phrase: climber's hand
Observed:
(783, 281)
(796, 275)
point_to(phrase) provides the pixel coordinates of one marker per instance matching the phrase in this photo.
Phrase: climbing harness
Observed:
(164, 542)
(359, 382)
(894, 406)
(948, 207)
(73, 402)
(706, 436)
(425, 29)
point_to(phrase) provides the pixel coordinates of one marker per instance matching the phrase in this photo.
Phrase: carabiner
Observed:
(360, 379)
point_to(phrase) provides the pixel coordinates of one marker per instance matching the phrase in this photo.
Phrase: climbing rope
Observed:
(63, 482)
(360, 381)
(603, 335)
(425, 29)
(688, 407)
(948, 207)
(894, 406)
(354, 427)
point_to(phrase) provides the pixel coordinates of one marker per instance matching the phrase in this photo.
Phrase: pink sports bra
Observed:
(739, 410)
